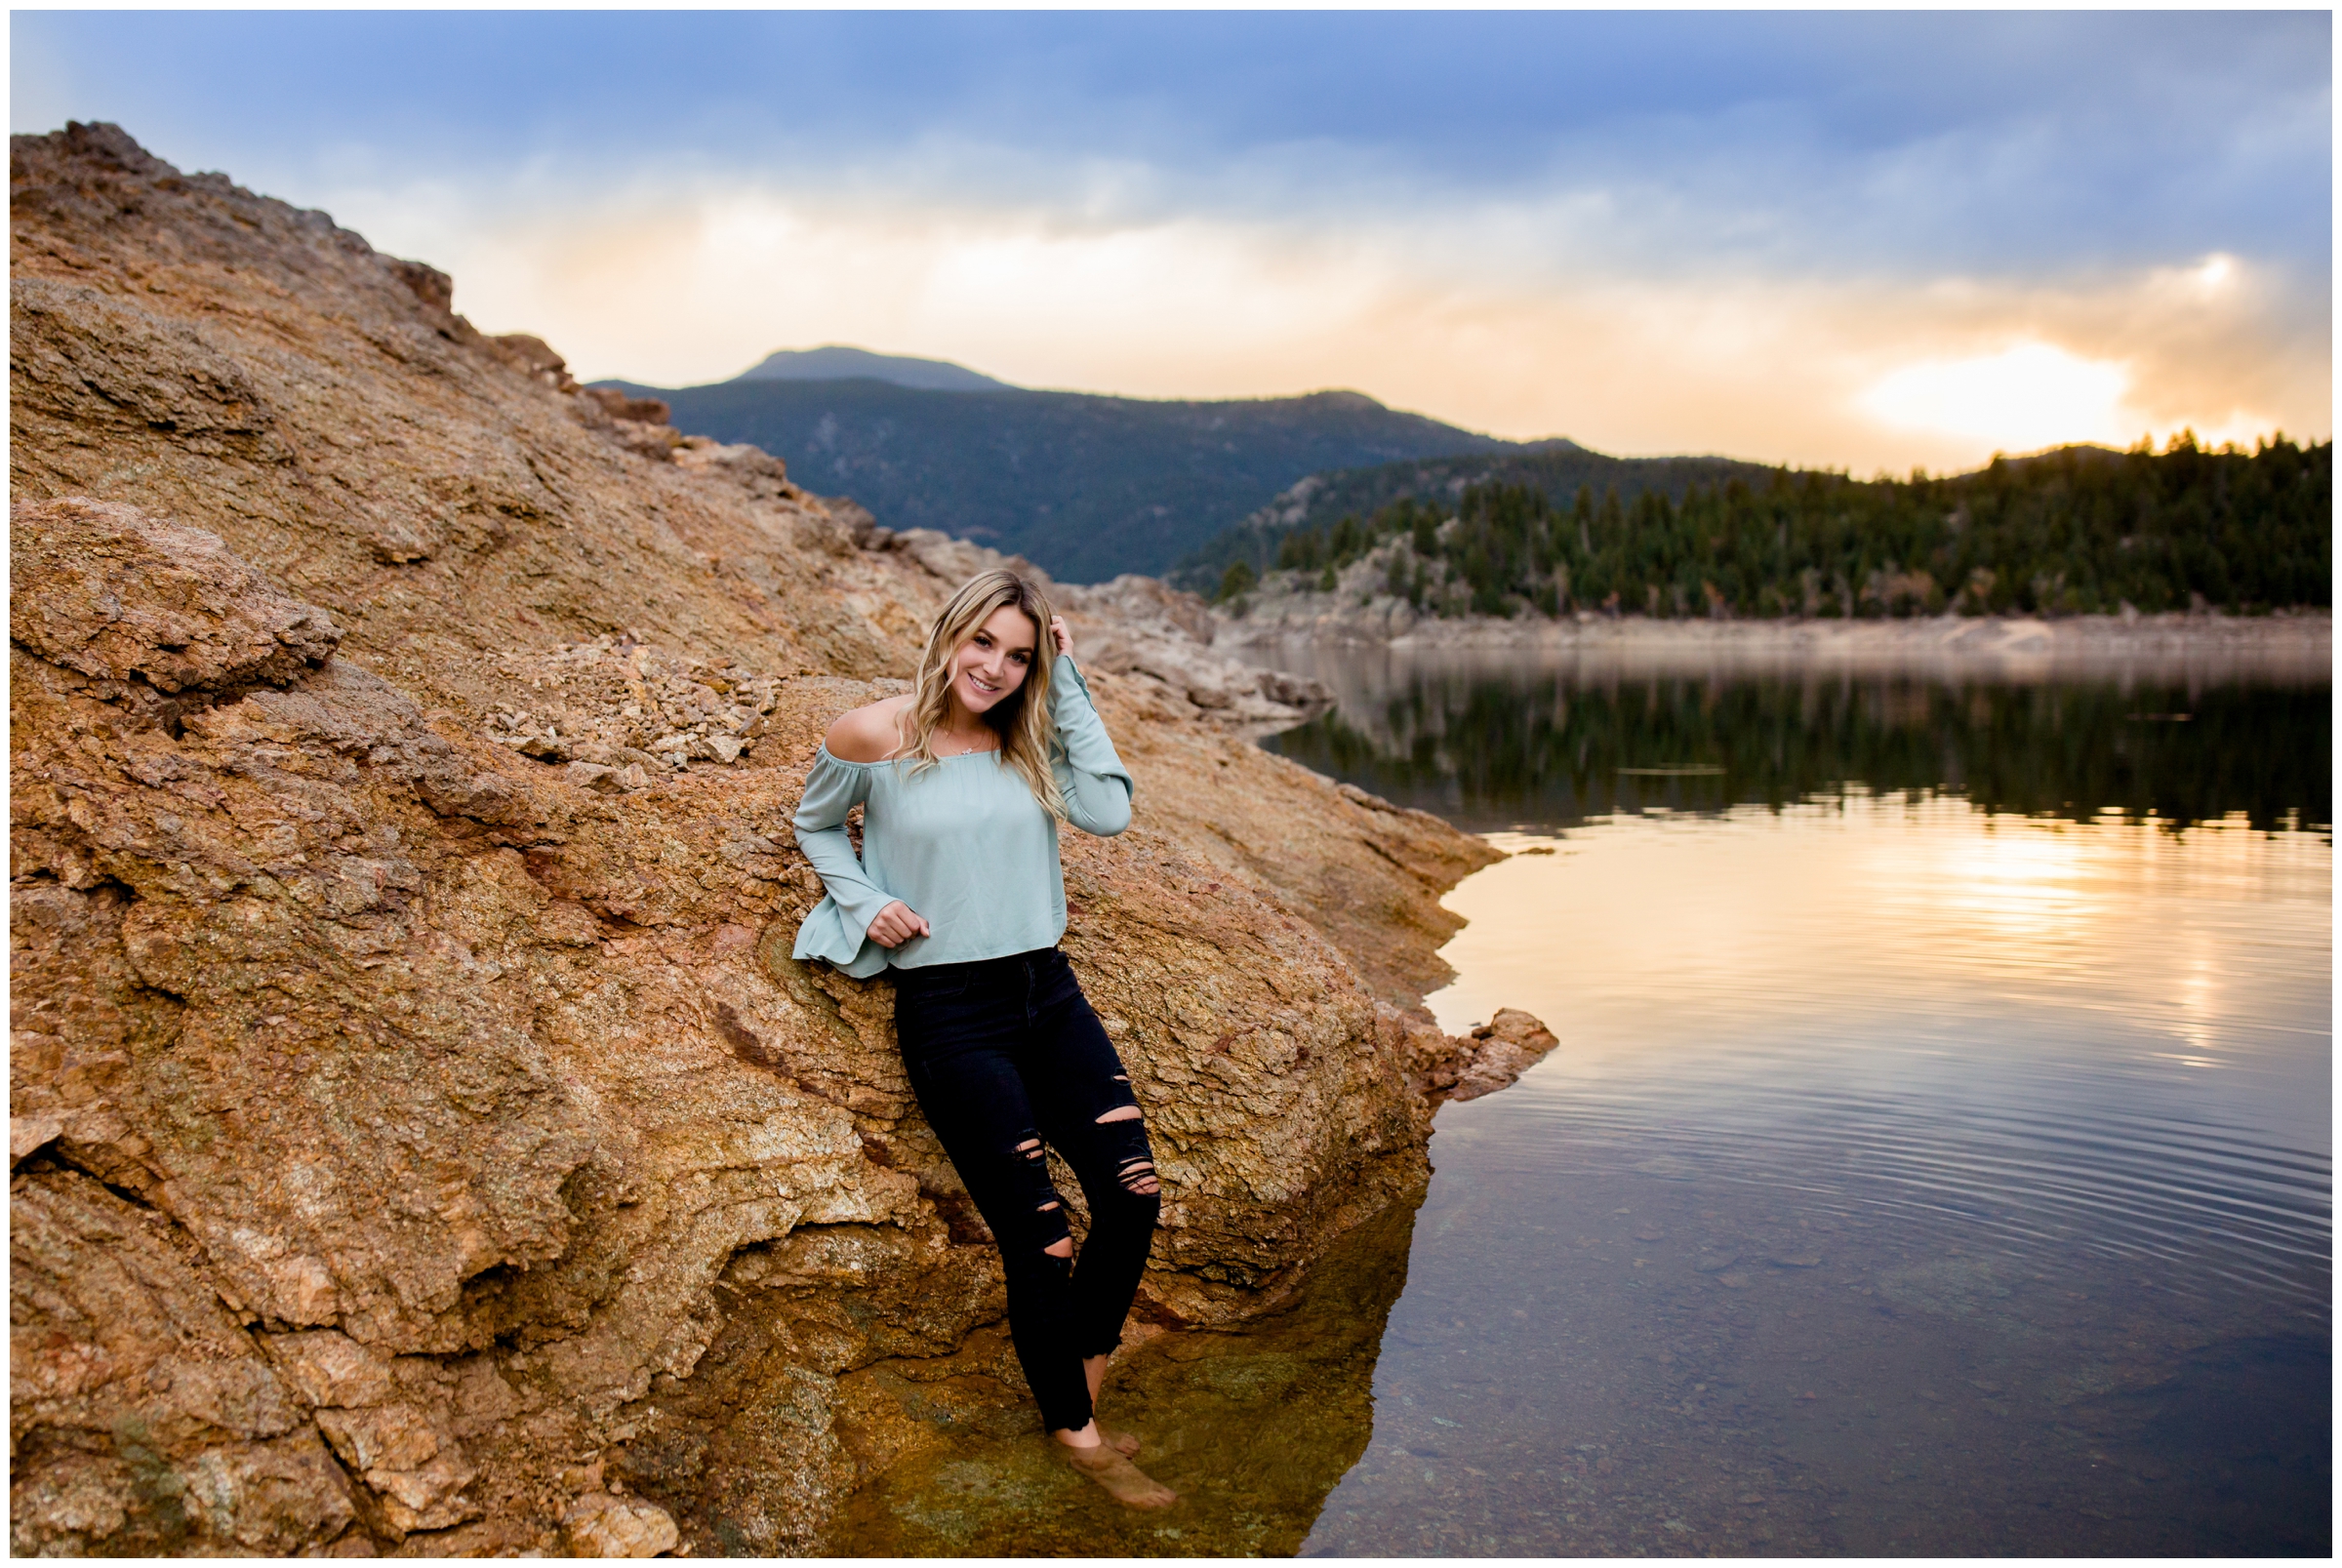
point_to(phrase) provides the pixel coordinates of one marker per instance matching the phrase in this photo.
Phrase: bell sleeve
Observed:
(1097, 787)
(838, 925)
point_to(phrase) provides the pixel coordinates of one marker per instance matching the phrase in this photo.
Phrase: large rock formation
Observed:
(422, 1137)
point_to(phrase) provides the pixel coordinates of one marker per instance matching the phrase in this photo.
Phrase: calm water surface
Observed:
(1937, 1159)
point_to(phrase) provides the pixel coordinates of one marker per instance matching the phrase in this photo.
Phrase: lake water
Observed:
(1937, 1159)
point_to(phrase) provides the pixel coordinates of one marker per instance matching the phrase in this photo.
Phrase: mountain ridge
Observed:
(1085, 485)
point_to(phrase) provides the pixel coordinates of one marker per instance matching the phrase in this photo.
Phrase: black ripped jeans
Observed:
(1005, 1055)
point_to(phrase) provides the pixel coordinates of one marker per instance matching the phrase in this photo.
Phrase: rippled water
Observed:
(1909, 1180)
(1937, 1159)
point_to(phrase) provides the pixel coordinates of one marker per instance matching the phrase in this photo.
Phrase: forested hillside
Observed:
(1085, 487)
(1558, 469)
(2080, 530)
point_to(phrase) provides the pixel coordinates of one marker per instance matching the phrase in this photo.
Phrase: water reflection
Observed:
(1910, 1180)
(2103, 1037)
(1938, 1159)
(1515, 741)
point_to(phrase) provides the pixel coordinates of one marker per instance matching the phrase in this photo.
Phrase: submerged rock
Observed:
(1490, 1058)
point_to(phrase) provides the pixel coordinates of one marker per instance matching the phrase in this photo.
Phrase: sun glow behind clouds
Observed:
(691, 280)
(2217, 273)
(1753, 234)
(2028, 396)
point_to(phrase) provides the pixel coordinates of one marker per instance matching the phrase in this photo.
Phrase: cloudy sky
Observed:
(1866, 241)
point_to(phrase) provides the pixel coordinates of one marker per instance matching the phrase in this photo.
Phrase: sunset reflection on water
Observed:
(1908, 1177)
(1937, 1158)
(1924, 925)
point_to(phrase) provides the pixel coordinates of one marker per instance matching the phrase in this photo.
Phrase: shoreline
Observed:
(2298, 642)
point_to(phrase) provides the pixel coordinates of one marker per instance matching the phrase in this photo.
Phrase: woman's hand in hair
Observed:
(896, 925)
(1060, 636)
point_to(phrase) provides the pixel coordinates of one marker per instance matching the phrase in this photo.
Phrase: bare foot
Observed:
(1125, 1482)
(1124, 1443)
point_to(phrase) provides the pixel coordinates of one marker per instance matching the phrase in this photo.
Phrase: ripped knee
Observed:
(1137, 1176)
(1134, 1167)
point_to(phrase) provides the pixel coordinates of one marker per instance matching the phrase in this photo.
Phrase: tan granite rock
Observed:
(1499, 1052)
(142, 1418)
(109, 591)
(599, 1525)
(411, 1129)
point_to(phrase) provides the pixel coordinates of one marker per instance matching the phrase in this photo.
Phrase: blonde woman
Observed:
(958, 892)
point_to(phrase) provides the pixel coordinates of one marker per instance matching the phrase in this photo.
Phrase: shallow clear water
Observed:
(1937, 1158)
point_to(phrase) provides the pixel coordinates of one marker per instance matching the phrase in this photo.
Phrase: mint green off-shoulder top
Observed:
(963, 843)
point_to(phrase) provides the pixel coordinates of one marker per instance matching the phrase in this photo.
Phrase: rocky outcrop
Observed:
(599, 1525)
(1492, 1056)
(156, 1422)
(421, 1139)
(107, 591)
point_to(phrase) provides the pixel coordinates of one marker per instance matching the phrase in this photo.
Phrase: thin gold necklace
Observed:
(961, 753)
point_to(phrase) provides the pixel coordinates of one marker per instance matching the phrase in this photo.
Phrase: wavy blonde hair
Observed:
(1028, 740)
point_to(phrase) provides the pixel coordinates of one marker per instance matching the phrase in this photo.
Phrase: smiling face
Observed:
(991, 665)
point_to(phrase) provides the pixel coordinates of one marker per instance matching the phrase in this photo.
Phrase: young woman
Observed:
(959, 891)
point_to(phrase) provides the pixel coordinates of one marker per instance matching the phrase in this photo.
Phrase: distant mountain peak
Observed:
(837, 362)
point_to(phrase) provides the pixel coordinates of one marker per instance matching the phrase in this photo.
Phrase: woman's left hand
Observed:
(1060, 636)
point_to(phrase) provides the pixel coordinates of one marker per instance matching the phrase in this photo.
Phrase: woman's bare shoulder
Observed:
(868, 734)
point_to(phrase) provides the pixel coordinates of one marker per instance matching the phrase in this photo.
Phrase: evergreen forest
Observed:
(2081, 530)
